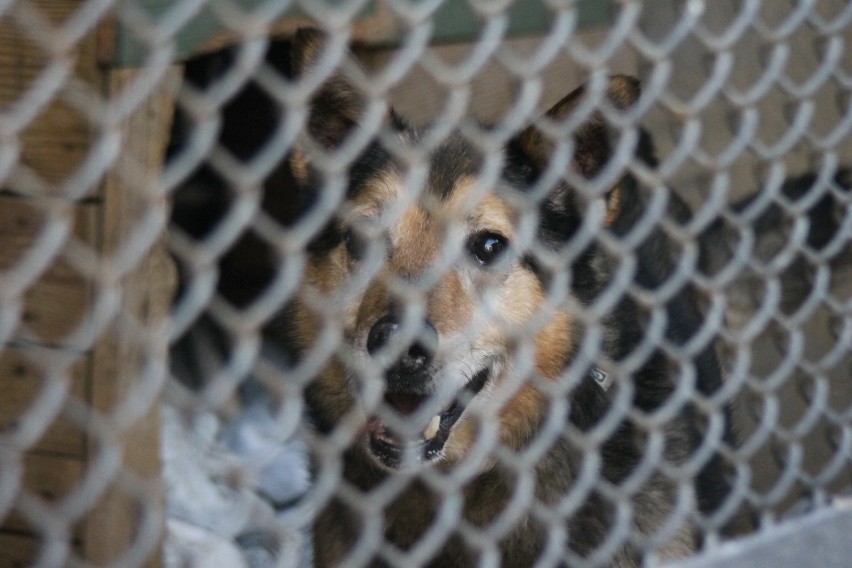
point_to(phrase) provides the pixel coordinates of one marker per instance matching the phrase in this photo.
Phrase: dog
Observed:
(493, 361)
(500, 367)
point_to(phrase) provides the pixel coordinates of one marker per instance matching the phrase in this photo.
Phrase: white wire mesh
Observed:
(337, 290)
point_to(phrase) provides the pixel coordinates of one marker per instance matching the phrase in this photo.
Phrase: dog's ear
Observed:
(337, 105)
(594, 138)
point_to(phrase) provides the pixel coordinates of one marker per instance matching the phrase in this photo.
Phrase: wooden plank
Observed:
(55, 306)
(59, 300)
(21, 382)
(18, 550)
(19, 48)
(375, 24)
(53, 144)
(126, 349)
(21, 550)
(51, 478)
(52, 156)
(457, 21)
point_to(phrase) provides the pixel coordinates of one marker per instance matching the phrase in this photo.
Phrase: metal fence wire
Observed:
(444, 283)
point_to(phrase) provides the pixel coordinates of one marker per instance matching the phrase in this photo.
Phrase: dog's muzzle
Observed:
(412, 371)
(409, 384)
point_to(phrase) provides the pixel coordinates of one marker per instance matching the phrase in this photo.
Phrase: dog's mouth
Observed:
(388, 449)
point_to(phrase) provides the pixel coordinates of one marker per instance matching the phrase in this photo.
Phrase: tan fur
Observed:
(483, 212)
(623, 91)
(333, 390)
(463, 197)
(552, 343)
(613, 206)
(374, 304)
(328, 274)
(300, 166)
(416, 242)
(450, 292)
(372, 200)
(519, 418)
(520, 296)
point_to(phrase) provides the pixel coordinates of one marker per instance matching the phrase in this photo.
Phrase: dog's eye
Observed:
(356, 245)
(487, 247)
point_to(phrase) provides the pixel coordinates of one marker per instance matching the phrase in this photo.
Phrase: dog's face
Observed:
(433, 296)
(451, 323)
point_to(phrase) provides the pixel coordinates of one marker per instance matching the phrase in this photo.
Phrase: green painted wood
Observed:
(457, 20)
(454, 21)
(197, 30)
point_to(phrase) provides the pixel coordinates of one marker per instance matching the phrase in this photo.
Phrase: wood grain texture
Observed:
(51, 479)
(125, 366)
(58, 300)
(56, 140)
(24, 380)
(57, 131)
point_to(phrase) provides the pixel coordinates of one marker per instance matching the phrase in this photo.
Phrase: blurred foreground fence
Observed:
(140, 151)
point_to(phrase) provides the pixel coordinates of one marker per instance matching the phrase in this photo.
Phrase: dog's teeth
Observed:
(432, 428)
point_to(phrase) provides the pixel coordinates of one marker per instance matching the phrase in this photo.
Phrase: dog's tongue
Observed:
(405, 404)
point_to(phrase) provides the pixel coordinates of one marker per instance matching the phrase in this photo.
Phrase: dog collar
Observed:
(601, 378)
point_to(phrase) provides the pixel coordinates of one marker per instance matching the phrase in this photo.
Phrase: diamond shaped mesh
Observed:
(397, 283)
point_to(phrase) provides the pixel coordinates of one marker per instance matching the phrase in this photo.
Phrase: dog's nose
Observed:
(420, 352)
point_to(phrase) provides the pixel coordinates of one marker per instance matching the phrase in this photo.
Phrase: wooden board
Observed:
(22, 550)
(59, 128)
(18, 550)
(123, 359)
(47, 155)
(58, 301)
(23, 380)
(51, 478)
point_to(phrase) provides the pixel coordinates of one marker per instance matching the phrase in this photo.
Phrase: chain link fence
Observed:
(448, 283)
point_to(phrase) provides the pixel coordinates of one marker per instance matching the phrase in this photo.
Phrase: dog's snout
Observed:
(420, 352)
